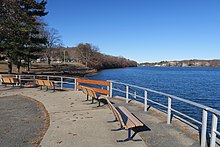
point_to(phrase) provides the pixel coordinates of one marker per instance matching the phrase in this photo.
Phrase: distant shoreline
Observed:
(185, 63)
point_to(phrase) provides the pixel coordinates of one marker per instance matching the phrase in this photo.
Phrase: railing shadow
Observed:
(207, 136)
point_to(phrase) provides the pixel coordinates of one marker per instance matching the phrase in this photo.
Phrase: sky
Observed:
(140, 30)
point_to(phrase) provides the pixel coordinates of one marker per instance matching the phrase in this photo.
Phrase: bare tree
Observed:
(54, 41)
(86, 53)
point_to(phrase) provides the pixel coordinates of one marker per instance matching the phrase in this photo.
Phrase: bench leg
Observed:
(92, 100)
(87, 98)
(129, 136)
(119, 129)
(47, 88)
(41, 88)
(20, 84)
(99, 103)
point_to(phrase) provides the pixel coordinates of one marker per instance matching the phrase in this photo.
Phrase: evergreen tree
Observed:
(20, 30)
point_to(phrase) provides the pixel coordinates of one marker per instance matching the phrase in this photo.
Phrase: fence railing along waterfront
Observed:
(131, 91)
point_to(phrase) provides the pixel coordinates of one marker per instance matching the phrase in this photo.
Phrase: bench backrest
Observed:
(79, 83)
(44, 83)
(115, 112)
(84, 90)
(48, 83)
(89, 91)
(6, 80)
(9, 80)
(40, 82)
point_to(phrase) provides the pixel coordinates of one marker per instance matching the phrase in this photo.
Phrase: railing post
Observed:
(135, 94)
(214, 129)
(34, 83)
(204, 127)
(127, 94)
(19, 79)
(16, 76)
(0, 79)
(145, 100)
(75, 84)
(110, 89)
(169, 110)
(61, 82)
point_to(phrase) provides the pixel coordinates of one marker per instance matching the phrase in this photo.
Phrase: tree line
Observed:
(88, 55)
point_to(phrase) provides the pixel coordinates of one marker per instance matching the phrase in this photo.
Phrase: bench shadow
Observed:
(112, 121)
(86, 100)
(140, 128)
(103, 101)
(47, 90)
(135, 130)
(8, 88)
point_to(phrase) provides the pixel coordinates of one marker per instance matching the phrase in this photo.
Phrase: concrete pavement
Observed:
(75, 122)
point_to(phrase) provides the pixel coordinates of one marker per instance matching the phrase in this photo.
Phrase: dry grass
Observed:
(4, 68)
(39, 68)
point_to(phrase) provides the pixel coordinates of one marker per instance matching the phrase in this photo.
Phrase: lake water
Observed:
(197, 84)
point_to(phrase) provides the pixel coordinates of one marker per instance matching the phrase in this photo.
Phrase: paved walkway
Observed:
(75, 122)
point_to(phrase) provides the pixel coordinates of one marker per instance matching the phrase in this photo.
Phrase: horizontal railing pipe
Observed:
(198, 122)
(174, 97)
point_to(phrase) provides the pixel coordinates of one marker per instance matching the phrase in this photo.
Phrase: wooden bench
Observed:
(9, 81)
(46, 83)
(49, 83)
(126, 119)
(40, 83)
(91, 93)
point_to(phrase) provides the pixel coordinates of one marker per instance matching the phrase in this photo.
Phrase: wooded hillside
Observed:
(88, 55)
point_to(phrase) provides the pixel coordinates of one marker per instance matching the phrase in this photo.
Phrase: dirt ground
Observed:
(23, 116)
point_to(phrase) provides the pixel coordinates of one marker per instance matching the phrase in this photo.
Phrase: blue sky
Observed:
(142, 30)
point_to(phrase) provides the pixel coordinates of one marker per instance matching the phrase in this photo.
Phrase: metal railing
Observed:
(169, 110)
(129, 90)
(60, 80)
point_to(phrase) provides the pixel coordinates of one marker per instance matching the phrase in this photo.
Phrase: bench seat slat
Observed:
(48, 83)
(9, 80)
(127, 122)
(6, 80)
(133, 119)
(40, 82)
(14, 80)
